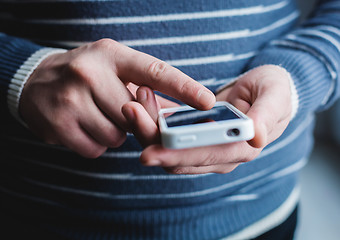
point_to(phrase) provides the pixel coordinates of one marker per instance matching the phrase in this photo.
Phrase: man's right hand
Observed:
(75, 98)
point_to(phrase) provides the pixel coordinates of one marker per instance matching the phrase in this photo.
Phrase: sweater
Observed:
(54, 190)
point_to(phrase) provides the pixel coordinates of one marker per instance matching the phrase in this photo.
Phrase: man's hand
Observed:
(262, 93)
(75, 99)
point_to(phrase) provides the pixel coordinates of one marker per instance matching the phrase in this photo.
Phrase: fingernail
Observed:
(205, 97)
(142, 95)
(153, 162)
(129, 114)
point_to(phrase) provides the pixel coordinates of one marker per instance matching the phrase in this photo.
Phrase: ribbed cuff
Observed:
(313, 80)
(21, 76)
(294, 97)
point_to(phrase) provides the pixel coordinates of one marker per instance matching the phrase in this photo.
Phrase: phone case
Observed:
(205, 134)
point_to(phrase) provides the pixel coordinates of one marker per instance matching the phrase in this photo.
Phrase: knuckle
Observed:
(249, 156)
(178, 170)
(105, 43)
(80, 72)
(111, 50)
(51, 140)
(210, 159)
(61, 124)
(186, 86)
(77, 66)
(117, 140)
(222, 171)
(156, 70)
(253, 155)
(225, 169)
(173, 170)
(94, 152)
(246, 159)
(69, 98)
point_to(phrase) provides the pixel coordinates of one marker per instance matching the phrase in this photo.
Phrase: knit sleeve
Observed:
(311, 54)
(18, 59)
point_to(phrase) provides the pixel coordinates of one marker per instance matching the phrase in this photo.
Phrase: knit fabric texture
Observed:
(114, 196)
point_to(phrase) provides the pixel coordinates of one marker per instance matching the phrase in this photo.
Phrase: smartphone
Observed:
(186, 127)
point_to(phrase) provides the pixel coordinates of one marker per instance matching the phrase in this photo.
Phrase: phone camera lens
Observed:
(233, 132)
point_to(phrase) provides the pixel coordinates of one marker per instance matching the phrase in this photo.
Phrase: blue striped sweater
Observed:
(114, 196)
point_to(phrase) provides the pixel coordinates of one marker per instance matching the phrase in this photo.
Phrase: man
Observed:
(90, 98)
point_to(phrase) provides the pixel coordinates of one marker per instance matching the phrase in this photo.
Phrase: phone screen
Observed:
(184, 118)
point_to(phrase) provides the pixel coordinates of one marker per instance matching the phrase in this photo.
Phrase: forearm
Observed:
(311, 54)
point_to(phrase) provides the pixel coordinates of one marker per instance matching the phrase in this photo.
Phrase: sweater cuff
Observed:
(22, 75)
(312, 73)
(294, 97)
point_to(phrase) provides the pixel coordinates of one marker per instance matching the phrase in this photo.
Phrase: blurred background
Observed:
(320, 179)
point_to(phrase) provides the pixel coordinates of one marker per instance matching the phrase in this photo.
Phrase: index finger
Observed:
(143, 69)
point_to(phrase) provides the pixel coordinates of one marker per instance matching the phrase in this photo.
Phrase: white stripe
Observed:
(195, 38)
(127, 196)
(187, 39)
(113, 176)
(174, 195)
(305, 48)
(291, 17)
(167, 17)
(209, 81)
(166, 177)
(270, 221)
(214, 81)
(334, 30)
(295, 167)
(212, 37)
(242, 197)
(320, 34)
(290, 169)
(132, 154)
(210, 60)
(70, 190)
(281, 173)
(20, 195)
(276, 175)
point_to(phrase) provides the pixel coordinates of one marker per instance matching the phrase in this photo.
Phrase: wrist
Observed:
(21, 76)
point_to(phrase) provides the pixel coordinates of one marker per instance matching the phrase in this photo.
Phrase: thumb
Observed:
(141, 123)
(260, 138)
(263, 123)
